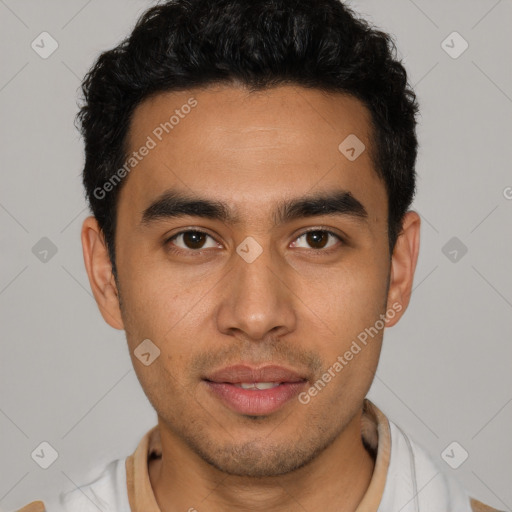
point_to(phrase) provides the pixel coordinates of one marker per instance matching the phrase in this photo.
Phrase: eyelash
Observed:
(198, 252)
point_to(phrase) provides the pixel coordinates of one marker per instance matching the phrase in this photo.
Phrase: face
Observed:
(246, 237)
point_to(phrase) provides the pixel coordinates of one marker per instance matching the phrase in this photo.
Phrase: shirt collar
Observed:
(375, 432)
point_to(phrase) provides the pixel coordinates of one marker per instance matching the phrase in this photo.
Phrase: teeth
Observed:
(257, 385)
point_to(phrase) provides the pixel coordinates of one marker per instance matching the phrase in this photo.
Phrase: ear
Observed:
(99, 270)
(403, 265)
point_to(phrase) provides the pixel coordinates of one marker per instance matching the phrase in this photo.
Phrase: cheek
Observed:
(149, 282)
(347, 297)
(165, 311)
(348, 325)
(163, 387)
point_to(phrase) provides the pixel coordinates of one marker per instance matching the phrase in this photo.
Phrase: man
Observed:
(250, 167)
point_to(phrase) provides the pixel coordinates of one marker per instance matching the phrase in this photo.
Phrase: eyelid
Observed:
(169, 239)
(323, 230)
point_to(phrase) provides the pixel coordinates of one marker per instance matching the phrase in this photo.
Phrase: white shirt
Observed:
(405, 477)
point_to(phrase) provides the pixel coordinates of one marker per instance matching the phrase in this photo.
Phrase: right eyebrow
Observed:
(172, 204)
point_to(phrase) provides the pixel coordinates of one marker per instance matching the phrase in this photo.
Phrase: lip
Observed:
(245, 373)
(255, 402)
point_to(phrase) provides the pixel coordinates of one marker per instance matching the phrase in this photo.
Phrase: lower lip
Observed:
(255, 402)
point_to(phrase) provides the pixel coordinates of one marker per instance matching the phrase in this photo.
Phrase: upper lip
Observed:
(243, 373)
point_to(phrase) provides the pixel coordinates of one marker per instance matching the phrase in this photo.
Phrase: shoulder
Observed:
(418, 470)
(34, 506)
(478, 506)
(38, 506)
(107, 492)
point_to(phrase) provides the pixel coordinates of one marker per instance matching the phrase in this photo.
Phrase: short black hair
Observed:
(259, 44)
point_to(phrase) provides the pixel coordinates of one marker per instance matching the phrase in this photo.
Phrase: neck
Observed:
(336, 480)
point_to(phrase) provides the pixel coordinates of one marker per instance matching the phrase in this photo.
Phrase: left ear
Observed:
(403, 265)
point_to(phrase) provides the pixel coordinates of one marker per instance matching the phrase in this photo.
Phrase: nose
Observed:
(258, 299)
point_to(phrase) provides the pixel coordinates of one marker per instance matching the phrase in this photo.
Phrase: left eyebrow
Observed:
(337, 203)
(173, 204)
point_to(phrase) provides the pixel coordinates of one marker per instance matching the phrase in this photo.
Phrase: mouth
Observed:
(256, 385)
(255, 391)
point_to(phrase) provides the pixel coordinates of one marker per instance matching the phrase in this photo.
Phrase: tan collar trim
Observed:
(140, 492)
(376, 434)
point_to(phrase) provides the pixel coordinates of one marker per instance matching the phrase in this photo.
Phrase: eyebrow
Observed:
(175, 204)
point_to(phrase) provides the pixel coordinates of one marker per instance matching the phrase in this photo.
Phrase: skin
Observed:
(294, 305)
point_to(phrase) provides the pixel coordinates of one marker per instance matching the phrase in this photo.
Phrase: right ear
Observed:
(99, 269)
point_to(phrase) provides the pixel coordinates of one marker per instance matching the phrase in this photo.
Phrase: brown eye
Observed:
(191, 240)
(318, 239)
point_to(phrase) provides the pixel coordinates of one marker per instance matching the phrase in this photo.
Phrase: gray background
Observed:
(445, 373)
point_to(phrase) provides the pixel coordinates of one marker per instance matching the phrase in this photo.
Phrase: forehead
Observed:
(251, 148)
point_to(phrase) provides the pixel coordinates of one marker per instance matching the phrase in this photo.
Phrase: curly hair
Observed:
(259, 44)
